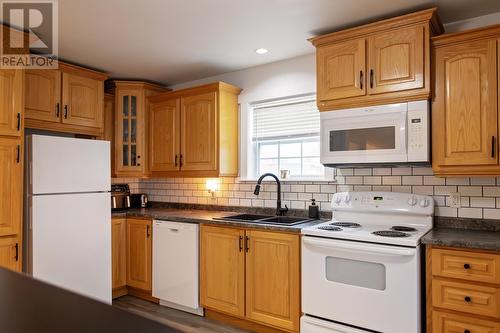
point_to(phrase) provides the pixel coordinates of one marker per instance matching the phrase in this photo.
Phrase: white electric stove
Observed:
(363, 266)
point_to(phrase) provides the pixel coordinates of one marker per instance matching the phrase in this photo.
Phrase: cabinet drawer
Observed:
(450, 323)
(472, 266)
(463, 297)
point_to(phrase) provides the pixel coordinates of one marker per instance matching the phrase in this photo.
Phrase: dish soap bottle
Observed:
(313, 210)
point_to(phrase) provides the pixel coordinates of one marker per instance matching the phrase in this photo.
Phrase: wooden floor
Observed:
(180, 320)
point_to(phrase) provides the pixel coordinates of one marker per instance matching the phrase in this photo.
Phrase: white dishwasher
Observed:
(175, 265)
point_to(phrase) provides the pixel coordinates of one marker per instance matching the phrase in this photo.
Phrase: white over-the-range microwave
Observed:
(390, 134)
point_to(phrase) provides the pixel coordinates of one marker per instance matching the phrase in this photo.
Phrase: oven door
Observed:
(371, 286)
(373, 135)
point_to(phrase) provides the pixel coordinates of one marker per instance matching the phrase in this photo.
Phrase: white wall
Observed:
(472, 23)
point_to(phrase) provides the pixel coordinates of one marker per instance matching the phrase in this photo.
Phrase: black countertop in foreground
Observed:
(481, 234)
(29, 305)
(206, 217)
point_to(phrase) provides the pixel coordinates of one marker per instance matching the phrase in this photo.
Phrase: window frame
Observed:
(253, 150)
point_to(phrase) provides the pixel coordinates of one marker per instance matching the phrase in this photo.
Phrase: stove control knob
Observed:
(412, 201)
(424, 203)
(347, 198)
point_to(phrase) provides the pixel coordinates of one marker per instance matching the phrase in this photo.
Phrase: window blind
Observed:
(285, 121)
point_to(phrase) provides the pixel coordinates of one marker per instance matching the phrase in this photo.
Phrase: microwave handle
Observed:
(386, 250)
(113, 203)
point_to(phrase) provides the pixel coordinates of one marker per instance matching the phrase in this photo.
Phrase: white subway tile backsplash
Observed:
(480, 196)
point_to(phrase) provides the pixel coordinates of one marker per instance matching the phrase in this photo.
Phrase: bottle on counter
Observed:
(313, 210)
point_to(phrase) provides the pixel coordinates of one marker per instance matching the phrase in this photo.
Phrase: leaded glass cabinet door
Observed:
(130, 122)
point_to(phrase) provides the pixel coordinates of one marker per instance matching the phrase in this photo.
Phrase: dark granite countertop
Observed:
(206, 217)
(465, 233)
(29, 305)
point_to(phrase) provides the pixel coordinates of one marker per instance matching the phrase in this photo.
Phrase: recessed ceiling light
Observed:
(261, 51)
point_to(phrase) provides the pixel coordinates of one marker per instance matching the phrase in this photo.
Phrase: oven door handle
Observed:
(354, 246)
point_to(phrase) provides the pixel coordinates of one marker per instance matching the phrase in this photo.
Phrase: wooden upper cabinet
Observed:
(273, 279)
(379, 63)
(131, 127)
(11, 186)
(82, 101)
(222, 270)
(341, 70)
(199, 132)
(197, 125)
(69, 100)
(465, 107)
(11, 102)
(119, 252)
(10, 253)
(139, 251)
(43, 95)
(396, 60)
(164, 138)
(109, 126)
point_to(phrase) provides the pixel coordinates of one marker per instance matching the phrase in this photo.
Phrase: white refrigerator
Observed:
(69, 214)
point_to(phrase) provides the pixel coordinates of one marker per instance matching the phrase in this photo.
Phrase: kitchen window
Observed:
(285, 136)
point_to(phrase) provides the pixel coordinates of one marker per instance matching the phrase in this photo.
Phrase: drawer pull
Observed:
(467, 299)
(467, 331)
(466, 266)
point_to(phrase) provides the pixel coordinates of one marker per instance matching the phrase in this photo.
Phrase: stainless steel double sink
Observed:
(264, 219)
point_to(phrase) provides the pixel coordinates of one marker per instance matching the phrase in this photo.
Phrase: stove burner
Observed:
(346, 224)
(329, 228)
(390, 233)
(403, 228)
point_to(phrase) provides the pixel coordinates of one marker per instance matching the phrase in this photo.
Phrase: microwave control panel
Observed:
(418, 132)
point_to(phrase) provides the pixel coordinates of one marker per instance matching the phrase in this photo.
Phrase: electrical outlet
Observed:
(455, 200)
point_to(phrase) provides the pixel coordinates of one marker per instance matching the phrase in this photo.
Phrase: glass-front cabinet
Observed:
(131, 130)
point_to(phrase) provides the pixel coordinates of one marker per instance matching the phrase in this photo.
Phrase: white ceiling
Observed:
(174, 41)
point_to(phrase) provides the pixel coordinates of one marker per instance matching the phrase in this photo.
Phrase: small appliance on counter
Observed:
(120, 197)
(139, 200)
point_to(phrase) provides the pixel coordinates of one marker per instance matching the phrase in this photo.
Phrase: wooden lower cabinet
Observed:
(119, 256)
(139, 248)
(10, 253)
(253, 275)
(273, 279)
(463, 291)
(222, 270)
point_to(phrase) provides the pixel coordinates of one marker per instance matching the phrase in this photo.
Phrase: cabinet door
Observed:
(10, 186)
(273, 279)
(341, 70)
(129, 131)
(10, 253)
(164, 136)
(139, 253)
(199, 132)
(11, 102)
(464, 114)
(396, 60)
(82, 100)
(43, 95)
(119, 252)
(222, 270)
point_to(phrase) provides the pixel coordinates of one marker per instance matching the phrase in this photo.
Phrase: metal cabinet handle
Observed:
(65, 112)
(58, 112)
(19, 121)
(247, 243)
(466, 266)
(466, 331)
(180, 160)
(467, 299)
(147, 231)
(175, 163)
(493, 146)
(371, 78)
(17, 252)
(361, 80)
(18, 154)
(240, 243)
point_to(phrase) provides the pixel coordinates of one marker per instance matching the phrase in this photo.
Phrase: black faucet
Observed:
(279, 211)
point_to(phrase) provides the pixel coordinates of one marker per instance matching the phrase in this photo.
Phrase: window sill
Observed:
(289, 180)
